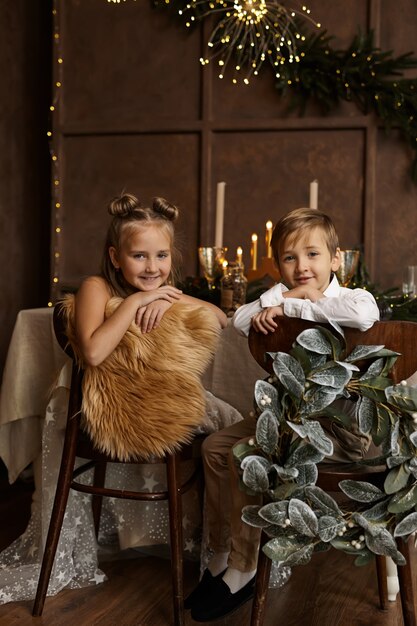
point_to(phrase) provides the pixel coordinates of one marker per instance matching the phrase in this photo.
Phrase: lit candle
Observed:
(254, 251)
(239, 253)
(218, 239)
(314, 194)
(268, 237)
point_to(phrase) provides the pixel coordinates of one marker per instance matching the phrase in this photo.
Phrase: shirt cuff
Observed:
(272, 297)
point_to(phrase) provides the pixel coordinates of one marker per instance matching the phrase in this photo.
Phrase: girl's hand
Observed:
(148, 317)
(167, 292)
(264, 322)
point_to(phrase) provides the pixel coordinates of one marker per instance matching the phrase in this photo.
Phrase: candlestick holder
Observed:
(211, 260)
(267, 267)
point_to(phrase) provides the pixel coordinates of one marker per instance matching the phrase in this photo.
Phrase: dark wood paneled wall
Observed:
(135, 111)
(24, 159)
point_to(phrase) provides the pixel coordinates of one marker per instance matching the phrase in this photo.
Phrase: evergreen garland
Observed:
(281, 462)
(361, 74)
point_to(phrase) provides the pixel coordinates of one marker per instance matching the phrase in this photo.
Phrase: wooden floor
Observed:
(329, 591)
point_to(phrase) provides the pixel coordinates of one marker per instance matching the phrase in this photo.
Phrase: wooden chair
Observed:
(78, 444)
(400, 336)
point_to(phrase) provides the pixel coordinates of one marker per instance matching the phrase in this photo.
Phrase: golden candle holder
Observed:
(267, 267)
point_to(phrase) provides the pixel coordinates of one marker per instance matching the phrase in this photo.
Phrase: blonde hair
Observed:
(128, 213)
(296, 223)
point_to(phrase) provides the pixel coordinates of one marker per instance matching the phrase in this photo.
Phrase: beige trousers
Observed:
(225, 500)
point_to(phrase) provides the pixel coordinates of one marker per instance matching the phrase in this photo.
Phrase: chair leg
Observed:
(381, 571)
(97, 501)
(175, 530)
(261, 586)
(58, 512)
(406, 585)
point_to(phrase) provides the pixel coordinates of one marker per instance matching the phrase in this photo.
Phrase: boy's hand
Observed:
(263, 322)
(304, 293)
(149, 317)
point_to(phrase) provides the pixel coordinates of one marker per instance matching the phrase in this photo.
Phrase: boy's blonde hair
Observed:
(294, 225)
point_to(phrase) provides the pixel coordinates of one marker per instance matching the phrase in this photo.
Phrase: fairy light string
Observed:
(250, 32)
(56, 191)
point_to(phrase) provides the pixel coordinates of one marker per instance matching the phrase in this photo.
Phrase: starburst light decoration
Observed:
(250, 32)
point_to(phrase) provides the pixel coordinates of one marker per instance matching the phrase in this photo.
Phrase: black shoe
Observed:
(220, 601)
(203, 588)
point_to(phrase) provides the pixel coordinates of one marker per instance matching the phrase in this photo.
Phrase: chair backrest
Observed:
(397, 335)
(59, 329)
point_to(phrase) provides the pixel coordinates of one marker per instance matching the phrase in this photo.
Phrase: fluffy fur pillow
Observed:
(146, 398)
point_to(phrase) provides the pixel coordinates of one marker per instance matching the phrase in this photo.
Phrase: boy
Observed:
(307, 253)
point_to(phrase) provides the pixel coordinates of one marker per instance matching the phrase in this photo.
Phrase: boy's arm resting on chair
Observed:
(355, 308)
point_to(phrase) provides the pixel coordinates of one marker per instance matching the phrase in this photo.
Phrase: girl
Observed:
(137, 265)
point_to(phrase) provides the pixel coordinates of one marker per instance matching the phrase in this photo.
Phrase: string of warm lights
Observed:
(250, 32)
(53, 150)
(56, 194)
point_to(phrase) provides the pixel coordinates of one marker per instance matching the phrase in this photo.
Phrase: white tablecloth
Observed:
(33, 362)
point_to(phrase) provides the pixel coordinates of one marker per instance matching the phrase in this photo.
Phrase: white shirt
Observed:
(355, 308)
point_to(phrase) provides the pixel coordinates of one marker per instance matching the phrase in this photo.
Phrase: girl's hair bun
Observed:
(165, 209)
(123, 205)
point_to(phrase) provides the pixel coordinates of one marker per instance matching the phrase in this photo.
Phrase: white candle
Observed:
(254, 251)
(218, 238)
(314, 194)
(239, 253)
(268, 237)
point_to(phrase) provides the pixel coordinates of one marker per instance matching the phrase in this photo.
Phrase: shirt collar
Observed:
(334, 289)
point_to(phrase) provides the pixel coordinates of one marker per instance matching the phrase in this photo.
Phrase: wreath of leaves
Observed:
(363, 74)
(281, 463)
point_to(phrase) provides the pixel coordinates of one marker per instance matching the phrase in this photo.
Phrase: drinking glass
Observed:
(211, 260)
(348, 265)
(410, 281)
